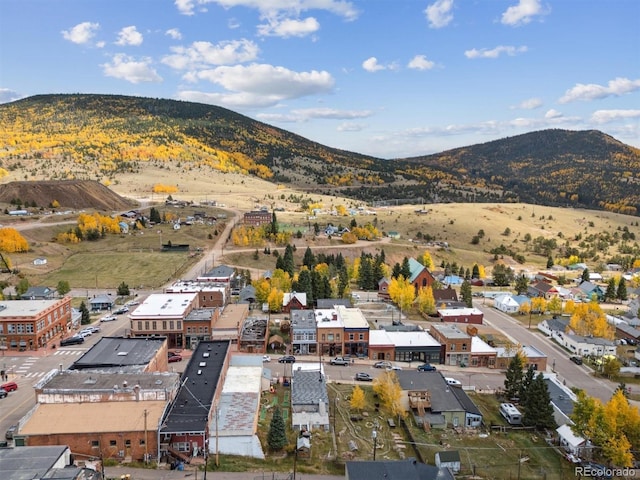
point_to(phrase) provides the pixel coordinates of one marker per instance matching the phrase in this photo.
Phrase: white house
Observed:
(449, 459)
(571, 442)
(40, 261)
(506, 303)
(582, 346)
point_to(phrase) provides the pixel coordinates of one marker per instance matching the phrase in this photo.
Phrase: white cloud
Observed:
(81, 33)
(351, 127)
(592, 91)
(174, 33)
(494, 52)
(553, 113)
(523, 12)
(101, 44)
(529, 104)
(129, 36)
(606, 116)
(289, 27)
(126, 68)
(420, 62)
(331, 113)
(7, 95)
(259, 85)
(371, 65)
(439, 13)
(270, 8)
(204, 54)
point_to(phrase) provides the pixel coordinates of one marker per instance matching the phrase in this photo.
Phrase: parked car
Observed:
(266, 358)
(3, 393)
(10, 431)
(340, 361)
(287, 359)
(121, 310)
(74, 340)
(94, 328)
(382, 364)
(453, 382)
(394, 367)
(9, 386)
(85, 332)
(174, 358)
(426, 367)
(363, 377)
(576, 360)
(108, 318)
(132, 303)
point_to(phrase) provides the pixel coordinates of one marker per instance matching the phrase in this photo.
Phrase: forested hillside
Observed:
(99, 137)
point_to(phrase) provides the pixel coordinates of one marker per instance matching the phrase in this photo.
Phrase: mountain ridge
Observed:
(74, 136)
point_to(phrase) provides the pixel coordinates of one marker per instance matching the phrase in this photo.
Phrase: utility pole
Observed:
(374, 434)
(217, 450)
(146, 447)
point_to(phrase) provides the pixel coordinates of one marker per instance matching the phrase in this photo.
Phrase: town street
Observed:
(579, 376)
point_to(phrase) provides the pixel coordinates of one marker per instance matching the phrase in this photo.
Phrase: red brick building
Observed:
(258, 217)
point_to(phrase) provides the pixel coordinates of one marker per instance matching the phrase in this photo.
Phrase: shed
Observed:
(569, 440)
(449, 459)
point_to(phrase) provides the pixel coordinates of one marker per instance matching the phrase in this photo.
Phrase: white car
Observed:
(85, 332)
(394, 367)
(108, 318)
(453, 382)
(266, 358)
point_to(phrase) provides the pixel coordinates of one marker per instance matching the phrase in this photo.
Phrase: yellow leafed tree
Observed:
(11, 241)
(358, 400)
(589, 319)
(388, 389)
(426, 300)
(402, 292)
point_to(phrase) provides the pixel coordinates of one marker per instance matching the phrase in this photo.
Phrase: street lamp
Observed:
(374, 435)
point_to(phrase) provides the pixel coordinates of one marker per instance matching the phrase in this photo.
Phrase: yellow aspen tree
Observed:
(402, 292)
(358, 400)
(388, 389)
(275, 299)
(263, 288)
(426, 301)
(426, 259)
(555, 305)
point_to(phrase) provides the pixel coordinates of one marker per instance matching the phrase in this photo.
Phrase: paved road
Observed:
(579, 376)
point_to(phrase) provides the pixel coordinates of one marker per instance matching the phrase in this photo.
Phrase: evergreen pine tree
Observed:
(538, 410)
(85, 317)
(527, 380)
(621, 294)
(549, 262)
(405, 270)
(522, 285)
(289, 264)
(305, 284)
(277, 436)
(465, 293)
(610, 294)
(309, 259)
(343, 280)
(513, 377)
(585, 275)
(395, 271)
(475, 273)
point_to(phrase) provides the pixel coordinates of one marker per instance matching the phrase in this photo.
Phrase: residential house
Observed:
(562, 398)
(542, 289)
(627, 332)
(506, 304)
(220, 274)
(554, 326)
(383, 288)
(572, 443)
(461, 315)
(582, 346)
(309, 400)
(39, 261)
(44, 462)
(304, 339)
(294, 301)
(434, 403)
(448, 459)
(447, 298)
(532, 357)
(33, 324)
(101, 302)
(589, 291)
(408, 469)
(39, 293)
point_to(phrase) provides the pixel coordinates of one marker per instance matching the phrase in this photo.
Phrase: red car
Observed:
(175, 358)
(9, 386)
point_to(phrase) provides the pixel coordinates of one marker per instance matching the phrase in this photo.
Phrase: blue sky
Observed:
(389, 78)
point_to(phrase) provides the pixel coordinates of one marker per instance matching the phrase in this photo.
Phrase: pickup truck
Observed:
(340, 361)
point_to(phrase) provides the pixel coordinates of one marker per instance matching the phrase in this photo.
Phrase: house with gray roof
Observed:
(42, 462)
(428, 397)
(39, 293)
(309, 400)
(303, 332)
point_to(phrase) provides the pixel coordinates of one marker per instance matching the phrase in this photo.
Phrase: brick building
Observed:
(258, 217)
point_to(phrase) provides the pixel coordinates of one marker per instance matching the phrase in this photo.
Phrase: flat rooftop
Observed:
(164, 305)
(24, 308)
(82, 380)
(120, 353)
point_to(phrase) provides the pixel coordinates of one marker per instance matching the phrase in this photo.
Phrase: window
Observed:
(154, 325)
(323, 337)
(142, 442)
(112, 443)
(179, 325)
(330, 337)
(29, 327)
(164, 325)
(337, 337)
(170, 324)
(351, 336)
(361, 336)
(127, 443)
(95, 443)
(452, 347)
(139, 326)
(146, 325)
(464, 347)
